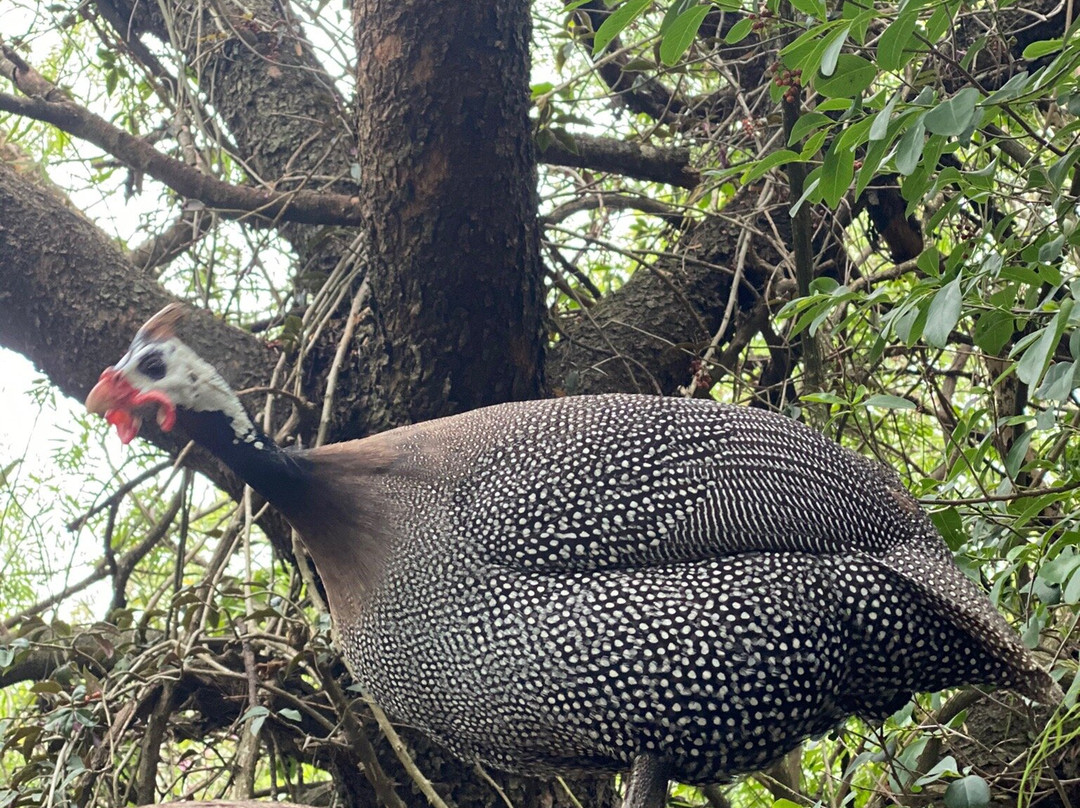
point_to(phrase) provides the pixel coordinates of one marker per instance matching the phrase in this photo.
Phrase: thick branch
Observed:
(174, 241)
(636, 160)
(644, 337)
(231, 201)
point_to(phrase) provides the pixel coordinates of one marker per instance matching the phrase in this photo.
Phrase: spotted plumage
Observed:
(597, 583)
(710, 584)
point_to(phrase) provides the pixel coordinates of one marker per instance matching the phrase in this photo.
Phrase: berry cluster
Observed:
(792, 79)
(967, 231)
(760, 21)
(968, 235)
(703, 380)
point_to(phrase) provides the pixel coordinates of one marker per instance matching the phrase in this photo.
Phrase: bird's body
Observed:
(711, 585)
(585, 583)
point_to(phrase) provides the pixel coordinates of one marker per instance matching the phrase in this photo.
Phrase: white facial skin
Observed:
(170, 368)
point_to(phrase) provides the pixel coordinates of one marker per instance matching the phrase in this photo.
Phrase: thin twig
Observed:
(405, 758)
(119, 494)
(354, 731)
(339, 357)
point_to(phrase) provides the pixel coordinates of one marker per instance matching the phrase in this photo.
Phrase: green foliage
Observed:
(968, 792)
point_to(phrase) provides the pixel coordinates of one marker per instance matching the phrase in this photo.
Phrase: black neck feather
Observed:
(280, 476)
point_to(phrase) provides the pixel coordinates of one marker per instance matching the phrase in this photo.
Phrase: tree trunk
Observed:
(447, 176)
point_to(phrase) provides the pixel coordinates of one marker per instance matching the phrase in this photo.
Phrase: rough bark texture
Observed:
(648, 336)
(283, 114)
(447, 176)
(638, 160)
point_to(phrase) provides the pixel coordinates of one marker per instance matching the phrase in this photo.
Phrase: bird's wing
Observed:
(625, 481)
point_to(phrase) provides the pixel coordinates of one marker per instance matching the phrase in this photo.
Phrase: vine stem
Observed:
(802, 247)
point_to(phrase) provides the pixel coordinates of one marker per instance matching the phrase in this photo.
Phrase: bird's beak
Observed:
(107, 393)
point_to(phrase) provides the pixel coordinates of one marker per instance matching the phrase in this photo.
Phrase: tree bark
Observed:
(448, 180)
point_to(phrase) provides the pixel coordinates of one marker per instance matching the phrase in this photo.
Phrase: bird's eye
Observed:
(152, 366)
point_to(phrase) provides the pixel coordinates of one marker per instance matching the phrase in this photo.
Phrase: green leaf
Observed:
(767, 163)
(739, 31)
(951, 527)
(614, 24)
(806, 51)
(837, 172)
(887, 402)
(893, 49)
(813, 179)
(836, 105)
(5, 472)
(257, 715)
(859, 22)
(853, 74)
(811, 8)
(823, 398)
(967, 792)
(1060, 567)
(290, 714)
(1037, 355)
(946, 765)
(813, 144)
(1014, 461)
(673, 13)
(1013, 88)
(929, 260)
(681, 34)
(940, 20)
(880, 127)
(1037, 50)
(1060, 170)
(1051, 250)
(943, 313)
(1071, 593)
(833, 45)
(855, 135)
(953, 116)
(993, 329)
(1030, 635)
(808, 122)
(910, 148)
(909, 323)
(1058, 383)
(1050, 594)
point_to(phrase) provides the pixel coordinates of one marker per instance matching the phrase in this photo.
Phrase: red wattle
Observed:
(166, 415)
(127, 424)
(117, 399)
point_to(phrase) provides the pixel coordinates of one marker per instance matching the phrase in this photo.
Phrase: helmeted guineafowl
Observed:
(598, 583)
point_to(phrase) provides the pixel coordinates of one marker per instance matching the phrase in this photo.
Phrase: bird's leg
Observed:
(647, 785)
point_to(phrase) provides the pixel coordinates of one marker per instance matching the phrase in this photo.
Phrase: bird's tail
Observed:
(971, 610)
